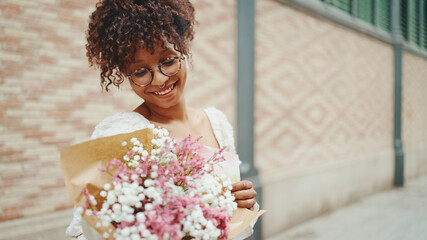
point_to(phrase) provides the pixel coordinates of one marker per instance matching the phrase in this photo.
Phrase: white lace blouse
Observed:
(125, 122)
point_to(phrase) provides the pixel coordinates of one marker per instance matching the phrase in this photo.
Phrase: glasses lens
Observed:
(171, 66)
(141, 77)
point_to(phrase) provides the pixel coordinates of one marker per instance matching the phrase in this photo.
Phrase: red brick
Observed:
(45, 59)
(48, 164)
(38, 135)
(10, 8)
(8, 179)
(59, 142)
(6, 185)
(53, 186)
(32, 196)
(8, 39)
(10, 104)
(72, 5)
(6, 153)
(58, 113)
(13, 209)
(7, 217)
(18, 159)
(64, 206)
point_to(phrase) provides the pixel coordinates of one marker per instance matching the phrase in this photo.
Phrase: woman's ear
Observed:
(186, 61)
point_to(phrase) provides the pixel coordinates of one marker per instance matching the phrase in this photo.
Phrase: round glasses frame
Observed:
(159, 66)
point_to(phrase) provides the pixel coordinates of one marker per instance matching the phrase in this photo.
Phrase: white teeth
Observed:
(165, 91)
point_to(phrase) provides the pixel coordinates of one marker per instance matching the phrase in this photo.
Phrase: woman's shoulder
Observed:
(214, 113)
(121, 122)
(221, 127)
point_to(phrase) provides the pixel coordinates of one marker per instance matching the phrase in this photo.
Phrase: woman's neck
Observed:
(157, 114)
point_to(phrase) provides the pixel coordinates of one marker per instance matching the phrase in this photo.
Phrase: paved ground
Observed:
(398, 214)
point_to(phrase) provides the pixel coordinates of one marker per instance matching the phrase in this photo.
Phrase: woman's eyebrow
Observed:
(161, 53)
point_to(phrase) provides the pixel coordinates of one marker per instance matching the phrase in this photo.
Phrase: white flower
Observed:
(141, 196)
(107, 186)
(146, 233)
(125, 232)
(148, 183)
(134, 177)
(135, 236)
(148, 206)
(130, 218)
(117, 207)
(140, 217)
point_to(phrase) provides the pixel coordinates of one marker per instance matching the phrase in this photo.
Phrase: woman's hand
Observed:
(244, 193)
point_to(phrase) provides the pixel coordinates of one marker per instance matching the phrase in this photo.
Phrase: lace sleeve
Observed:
(222, 128)
(225, 137)
(122, 122)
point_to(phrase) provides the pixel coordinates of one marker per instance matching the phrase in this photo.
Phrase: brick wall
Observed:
(50, 99)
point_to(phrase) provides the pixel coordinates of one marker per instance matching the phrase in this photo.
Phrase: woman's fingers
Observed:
(245, 194)
(248, 203)
(242, 185)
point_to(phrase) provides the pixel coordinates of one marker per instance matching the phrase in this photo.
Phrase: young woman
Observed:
(146, 42)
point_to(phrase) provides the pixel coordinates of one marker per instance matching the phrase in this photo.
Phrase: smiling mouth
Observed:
(166, 91)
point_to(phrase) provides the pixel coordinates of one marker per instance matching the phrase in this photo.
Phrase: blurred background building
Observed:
(339, 101)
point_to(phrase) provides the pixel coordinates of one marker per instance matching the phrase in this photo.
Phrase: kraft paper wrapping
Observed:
(81, 163)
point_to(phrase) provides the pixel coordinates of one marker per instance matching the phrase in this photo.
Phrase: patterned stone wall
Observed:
(324, 93)
(414, 117)
(50, 99)
(324, 114)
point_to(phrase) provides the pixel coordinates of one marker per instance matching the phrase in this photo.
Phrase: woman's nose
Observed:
(158, 77)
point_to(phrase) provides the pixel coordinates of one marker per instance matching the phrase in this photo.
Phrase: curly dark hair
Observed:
(118, 28)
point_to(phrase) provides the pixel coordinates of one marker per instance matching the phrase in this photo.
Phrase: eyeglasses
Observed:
(144, 76)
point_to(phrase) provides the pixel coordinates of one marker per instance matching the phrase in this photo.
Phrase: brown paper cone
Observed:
(80, 166)
(241, 219)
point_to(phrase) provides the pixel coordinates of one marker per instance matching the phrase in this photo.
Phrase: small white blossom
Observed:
(103, 193)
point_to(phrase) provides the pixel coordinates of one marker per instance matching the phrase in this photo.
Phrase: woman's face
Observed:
(154, 96)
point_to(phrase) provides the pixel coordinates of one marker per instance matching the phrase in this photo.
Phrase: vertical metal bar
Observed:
(374, 12)
(424, 32)
(408, 20)
(397, 46)
(353, 8)
(245, 97)
(389, 16)
(420, 22)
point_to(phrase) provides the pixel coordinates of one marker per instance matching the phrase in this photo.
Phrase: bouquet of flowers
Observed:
(164, 190)
(145, 185)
